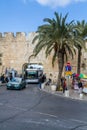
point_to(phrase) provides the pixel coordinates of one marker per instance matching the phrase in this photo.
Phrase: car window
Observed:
(17, 80)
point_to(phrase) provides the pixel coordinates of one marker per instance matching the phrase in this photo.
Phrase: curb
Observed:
(63, 95)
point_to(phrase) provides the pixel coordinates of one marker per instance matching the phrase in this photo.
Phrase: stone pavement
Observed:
(71, 93)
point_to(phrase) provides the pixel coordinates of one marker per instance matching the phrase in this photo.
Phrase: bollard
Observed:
(67, 93)
(81, 95)
(53, 87)
(42, 85)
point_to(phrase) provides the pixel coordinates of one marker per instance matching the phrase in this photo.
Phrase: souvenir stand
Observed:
(75, 84)
(84, 85)
(75, 81)
(84, 81)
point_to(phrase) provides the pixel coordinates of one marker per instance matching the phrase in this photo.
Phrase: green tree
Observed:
(56, 36)
(82, 34)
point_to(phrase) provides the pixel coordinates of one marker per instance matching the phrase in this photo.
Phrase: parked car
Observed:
(16, 83)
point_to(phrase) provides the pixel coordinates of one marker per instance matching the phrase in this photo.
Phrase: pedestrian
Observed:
(76, 87)
(62, 80)
(3, 78)
(43, 78)
(49, 81)
(80, 85)
(40, 81)
(6, 79)
(11, 77)
(64, 85)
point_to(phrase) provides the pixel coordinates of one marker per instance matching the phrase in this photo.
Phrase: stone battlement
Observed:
(10, 36)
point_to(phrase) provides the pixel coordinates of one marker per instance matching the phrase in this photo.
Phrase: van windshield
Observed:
(31, 74)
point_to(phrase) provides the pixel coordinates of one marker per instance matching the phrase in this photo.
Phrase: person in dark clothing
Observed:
(80, 85)
(3, 78)
(62, 80)
(43, 78)
(11, 77)
(64, 85)
(6, 79)
(40, 80)
(48, 82)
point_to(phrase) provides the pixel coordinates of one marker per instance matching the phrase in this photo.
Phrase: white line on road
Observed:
(47, 114)
(74, 120)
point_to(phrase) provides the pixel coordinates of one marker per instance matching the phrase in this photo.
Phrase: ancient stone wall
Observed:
(15, 50)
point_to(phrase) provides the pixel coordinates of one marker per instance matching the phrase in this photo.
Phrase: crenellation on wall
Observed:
(20, 36)
(8, 34)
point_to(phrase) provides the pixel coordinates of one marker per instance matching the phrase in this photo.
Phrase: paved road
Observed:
(33, 109)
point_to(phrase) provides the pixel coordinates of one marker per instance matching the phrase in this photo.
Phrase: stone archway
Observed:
(24, 66)
(31, 56)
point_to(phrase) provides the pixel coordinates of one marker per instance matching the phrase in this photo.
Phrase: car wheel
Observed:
(7, 88)
(25, 86)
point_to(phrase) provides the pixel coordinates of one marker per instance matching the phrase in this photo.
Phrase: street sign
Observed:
(68, 73)
(68, 69)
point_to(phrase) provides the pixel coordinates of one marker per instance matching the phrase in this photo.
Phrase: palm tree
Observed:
(56, 36)
(83, 35)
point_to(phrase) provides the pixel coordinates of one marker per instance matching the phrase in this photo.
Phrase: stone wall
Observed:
(16, 50)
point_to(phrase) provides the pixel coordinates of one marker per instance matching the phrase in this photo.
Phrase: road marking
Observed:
(47, 114)
(74, 120)
(79, 121)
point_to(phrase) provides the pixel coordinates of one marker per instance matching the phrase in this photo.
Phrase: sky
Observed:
(27, 15)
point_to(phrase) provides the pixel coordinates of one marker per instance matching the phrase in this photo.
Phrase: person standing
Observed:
(3, 78)
(62, 80)
(40, 80)
(64, 85)
(80, 85)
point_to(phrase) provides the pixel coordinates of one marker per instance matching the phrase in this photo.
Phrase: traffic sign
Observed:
(68, 67)
(67, 73)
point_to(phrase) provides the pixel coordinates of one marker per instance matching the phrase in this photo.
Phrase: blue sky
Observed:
(27, 15)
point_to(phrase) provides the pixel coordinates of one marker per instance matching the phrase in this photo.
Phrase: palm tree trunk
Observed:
(60, 68)
(79, 61)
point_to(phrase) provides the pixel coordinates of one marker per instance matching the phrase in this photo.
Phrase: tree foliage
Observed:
(57, 36)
